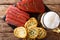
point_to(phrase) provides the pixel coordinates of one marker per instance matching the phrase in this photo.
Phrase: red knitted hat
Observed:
(31, 5)
(16, 17)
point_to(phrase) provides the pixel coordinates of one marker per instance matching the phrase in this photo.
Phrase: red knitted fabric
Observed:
(16, 17)
(31, 6)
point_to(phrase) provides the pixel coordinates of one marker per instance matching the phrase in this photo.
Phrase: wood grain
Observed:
(52, 35)
(54, 7)
(4, 27)
(3, 8)
(8, 1)
(51, 1)
(8, 36)
(14, 1)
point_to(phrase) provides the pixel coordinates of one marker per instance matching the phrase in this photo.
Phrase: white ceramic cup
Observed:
(50, 20)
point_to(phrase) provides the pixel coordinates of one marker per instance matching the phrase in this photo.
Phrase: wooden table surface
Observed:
(6, 33)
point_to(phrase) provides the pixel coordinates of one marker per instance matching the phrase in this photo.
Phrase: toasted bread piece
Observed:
(42, 33)
(20, 32)
(33, 32)
(32, 22)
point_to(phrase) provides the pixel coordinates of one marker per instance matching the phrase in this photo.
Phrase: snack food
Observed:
(42, 33)
(50, 20)
(16, 17)
(32, 22)
(20, 32)
(57, 30)
(33, 32)
(31, 6)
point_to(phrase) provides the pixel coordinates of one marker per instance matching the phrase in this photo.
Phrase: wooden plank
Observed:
(8, 1)
(54, 7)
(14, 1)
(4, 27)
(3, 8)
(8, 36)
(51, 1)
(52, 35)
